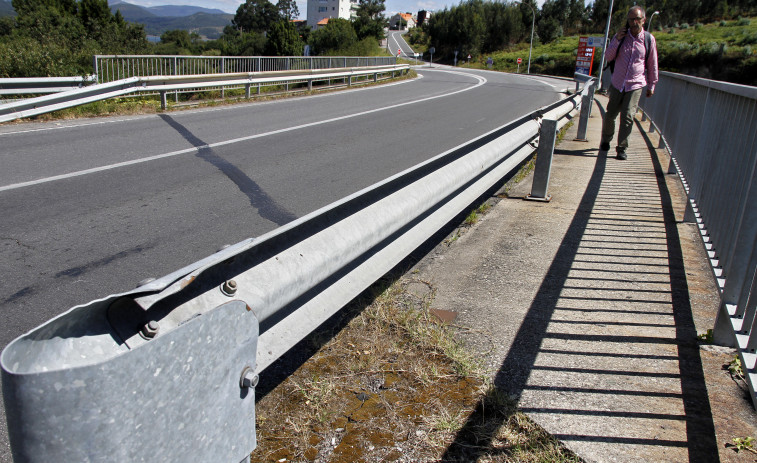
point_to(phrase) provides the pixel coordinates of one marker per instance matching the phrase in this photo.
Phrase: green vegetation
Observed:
(725, 50)
(59, 37)
(721, 50)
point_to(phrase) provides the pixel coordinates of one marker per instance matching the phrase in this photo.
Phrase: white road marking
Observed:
(481, 81)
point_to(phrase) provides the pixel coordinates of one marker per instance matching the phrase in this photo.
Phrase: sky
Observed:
(230, 6)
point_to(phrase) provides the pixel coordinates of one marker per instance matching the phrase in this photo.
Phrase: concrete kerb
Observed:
(591, 305)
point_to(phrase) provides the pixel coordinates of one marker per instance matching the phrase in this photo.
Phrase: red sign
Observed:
(520, 60)
(398, 51)
(585, 56)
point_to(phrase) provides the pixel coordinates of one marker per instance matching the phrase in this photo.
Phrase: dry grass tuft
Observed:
(395, 385)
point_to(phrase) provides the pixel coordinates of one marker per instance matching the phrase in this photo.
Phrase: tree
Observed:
(288, 9)
(370, 21)
(284, 40)
(233, 42)
(549, 29)
(335, 35)
(255, 16)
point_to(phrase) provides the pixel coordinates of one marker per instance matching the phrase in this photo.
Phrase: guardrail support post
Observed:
(310, 85)
(163, 101)
(247, 91)
(586, 103)
(349, 81)
(375, 76)
(543, 168)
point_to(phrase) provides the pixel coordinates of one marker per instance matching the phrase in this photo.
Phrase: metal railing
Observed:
(710, 130)
(37, 85)
(194, 83)
(109, 68)
(171, 366)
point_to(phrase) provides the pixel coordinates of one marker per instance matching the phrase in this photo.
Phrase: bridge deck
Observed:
(587, 308)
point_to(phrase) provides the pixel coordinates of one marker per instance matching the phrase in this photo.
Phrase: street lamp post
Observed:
(533, 23)
(649, 25)
(604, 47)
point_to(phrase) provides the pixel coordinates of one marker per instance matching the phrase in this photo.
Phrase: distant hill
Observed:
(6, 9)
(182, 10)
(207, 22)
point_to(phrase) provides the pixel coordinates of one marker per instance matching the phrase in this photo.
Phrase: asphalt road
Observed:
(91, 207)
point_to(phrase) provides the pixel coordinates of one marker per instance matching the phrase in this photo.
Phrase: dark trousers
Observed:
(624, 103)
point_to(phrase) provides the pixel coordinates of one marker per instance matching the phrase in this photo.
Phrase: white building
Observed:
(323, 9)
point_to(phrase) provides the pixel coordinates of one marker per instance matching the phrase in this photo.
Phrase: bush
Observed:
(722, 23)
(685, 26)
(743, 22)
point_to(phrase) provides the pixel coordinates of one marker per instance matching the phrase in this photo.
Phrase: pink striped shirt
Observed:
(629, 66)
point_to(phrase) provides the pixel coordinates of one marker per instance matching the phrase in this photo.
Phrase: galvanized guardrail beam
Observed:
(37, 85)
(170, 367)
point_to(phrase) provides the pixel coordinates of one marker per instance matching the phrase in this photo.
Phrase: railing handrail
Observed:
(710, 130)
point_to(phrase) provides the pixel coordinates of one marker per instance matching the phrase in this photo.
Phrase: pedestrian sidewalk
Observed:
(590, 306)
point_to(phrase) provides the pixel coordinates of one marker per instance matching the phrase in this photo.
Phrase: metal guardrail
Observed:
(162, 84)
(710, 130)
(109, 68)
(168, 370)
(36, 85)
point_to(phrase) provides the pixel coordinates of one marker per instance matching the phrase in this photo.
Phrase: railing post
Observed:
(543, 168)
(223, 71)
(175, 70)
(94, 66)
(583, 123)
(247, 91)
(163, 101)
(310, 85)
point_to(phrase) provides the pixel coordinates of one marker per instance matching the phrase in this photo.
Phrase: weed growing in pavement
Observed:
(735, 369)
(742, 443)
(706, 337)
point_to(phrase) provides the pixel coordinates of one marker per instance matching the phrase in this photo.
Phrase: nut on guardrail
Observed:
(248, 379)
(150, 330)
(229, 287)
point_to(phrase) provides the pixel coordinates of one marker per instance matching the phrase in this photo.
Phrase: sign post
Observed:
(431, 52)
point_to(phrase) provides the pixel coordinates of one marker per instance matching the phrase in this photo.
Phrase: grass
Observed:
(725, 50)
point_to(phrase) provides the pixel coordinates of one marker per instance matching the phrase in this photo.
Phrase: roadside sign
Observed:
(468, 57)
(398, 52)
(520, 60)
(585, 56)
(432, 50)
(595, 42)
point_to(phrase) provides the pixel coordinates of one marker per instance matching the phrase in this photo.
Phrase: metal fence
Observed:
(301, 80)
(710, 129)
(109, 68)
(167, 372)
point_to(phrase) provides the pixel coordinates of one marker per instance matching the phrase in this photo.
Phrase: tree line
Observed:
(477, 26)
(60, 37)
